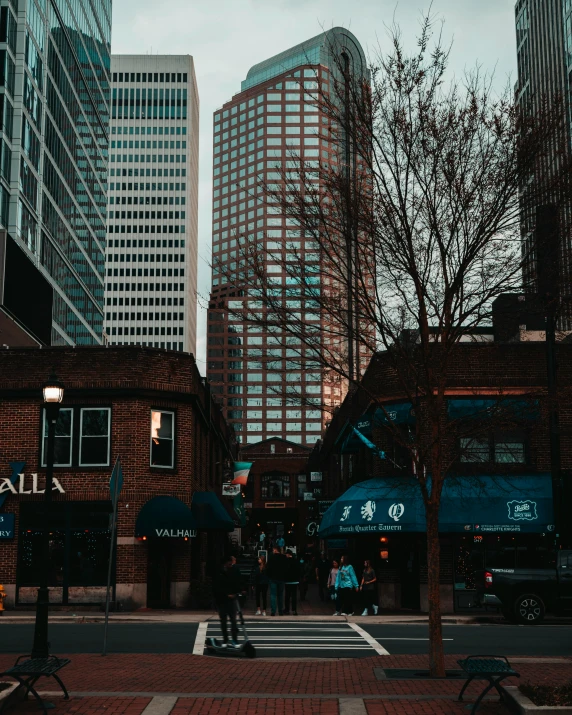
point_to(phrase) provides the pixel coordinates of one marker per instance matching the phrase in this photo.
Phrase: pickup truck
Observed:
(525, 595)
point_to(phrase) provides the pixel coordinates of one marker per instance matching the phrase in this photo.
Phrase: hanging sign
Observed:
(230, 490)
(7, 526)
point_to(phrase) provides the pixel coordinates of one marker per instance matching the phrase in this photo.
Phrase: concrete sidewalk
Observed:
(182, 616)
(190, 685)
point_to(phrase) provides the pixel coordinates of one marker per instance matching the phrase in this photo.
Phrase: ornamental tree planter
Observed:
(526, 706)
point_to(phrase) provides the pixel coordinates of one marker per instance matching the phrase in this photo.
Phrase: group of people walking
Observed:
(284, 574)
(342, 584)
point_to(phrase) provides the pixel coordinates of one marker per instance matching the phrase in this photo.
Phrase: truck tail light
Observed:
(488, 579)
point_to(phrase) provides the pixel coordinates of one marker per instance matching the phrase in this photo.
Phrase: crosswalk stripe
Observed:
(378, 648)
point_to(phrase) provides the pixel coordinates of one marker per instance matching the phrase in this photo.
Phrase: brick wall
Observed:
(132, 381)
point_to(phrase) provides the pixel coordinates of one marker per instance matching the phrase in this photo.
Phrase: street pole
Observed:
(41, 647)
(114, 497)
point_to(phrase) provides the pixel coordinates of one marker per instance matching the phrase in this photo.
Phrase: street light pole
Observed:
(53, 392)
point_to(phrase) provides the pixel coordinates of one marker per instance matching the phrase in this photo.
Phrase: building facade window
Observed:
(162, 439)
(94, 443)
(275, 486)
(63, 439)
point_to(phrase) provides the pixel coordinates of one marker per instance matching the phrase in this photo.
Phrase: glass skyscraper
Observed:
(54, 105)
(273, 125)
(544, 57)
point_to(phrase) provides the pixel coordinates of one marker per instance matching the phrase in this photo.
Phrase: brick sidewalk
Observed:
(126, 684)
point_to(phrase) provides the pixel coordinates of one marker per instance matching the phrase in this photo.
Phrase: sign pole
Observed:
(115, 495)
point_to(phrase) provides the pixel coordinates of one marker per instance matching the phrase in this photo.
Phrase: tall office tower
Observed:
(544, 54)
(273, 125)
(151, 262)
(54, 107)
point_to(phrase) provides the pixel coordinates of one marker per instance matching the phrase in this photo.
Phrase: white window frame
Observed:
(44, 438)
(81, 463)
(161, 466)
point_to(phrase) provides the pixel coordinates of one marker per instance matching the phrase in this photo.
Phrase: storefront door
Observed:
(79, 551)
(159, 574)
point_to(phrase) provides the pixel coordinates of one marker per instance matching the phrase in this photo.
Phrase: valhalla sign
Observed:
(176, 533)
(19, 485)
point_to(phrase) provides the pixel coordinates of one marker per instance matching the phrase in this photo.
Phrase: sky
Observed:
(227, 37)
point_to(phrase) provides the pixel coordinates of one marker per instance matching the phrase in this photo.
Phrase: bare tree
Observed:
(409, 248)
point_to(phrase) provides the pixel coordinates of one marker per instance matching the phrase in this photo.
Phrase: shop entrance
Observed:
(79, 551)
(159, 560)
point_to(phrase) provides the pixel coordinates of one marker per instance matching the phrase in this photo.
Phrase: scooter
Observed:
(245, 647)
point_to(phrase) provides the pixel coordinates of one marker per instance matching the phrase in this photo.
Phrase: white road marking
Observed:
(411, 639)
(160, 705)
(199, 647)
(378, 648)
(352, 706)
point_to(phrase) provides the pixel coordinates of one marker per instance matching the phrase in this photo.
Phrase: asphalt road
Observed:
(281, 638)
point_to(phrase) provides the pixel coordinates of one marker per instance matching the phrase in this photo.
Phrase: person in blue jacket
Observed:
(346, 584)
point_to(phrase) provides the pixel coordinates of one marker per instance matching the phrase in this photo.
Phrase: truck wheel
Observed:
(529, 608)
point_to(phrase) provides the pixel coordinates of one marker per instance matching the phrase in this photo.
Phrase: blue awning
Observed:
(508, 407)
(468, 504)
(398, 412)
(165, 516)
(209, 513)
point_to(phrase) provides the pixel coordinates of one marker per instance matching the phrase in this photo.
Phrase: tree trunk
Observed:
(436, 655)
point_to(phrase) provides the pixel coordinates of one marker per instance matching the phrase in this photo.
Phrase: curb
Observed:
(525, 706)
(6, 695)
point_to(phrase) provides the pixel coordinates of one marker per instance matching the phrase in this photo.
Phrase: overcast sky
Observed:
(227, 37)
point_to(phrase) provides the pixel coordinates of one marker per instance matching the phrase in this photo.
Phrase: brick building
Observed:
(280, 495)
(150, 408)
(508, 462)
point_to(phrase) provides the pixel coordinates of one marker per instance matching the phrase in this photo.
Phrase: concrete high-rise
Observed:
(273, 125)
(151, 261)
(54, 111)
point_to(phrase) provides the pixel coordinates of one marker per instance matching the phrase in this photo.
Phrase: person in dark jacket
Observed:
(226, 587)
(276, 570)
(260, 578)
(323, 567)
(292, 576)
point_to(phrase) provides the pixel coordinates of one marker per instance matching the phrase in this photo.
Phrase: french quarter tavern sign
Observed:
(18, 486)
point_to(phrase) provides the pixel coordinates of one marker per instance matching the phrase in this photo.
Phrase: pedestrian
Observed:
(226, 588)
(368, 588)
(280, 543)
(261, 585)
(305, 574)
(276, 576)
(346, 583)
(332, 586)
(322, 573)
(262, 539)
(291, 585)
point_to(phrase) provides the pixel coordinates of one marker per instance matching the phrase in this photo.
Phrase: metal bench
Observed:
(28, 672)
(491, 668)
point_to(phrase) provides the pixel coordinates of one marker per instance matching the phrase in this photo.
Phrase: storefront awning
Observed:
(165, 517)
(480, 504)
(509, 408)
(209, 513)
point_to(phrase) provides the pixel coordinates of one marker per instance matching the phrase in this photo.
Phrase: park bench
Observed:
(28, 672)
(491, 668)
